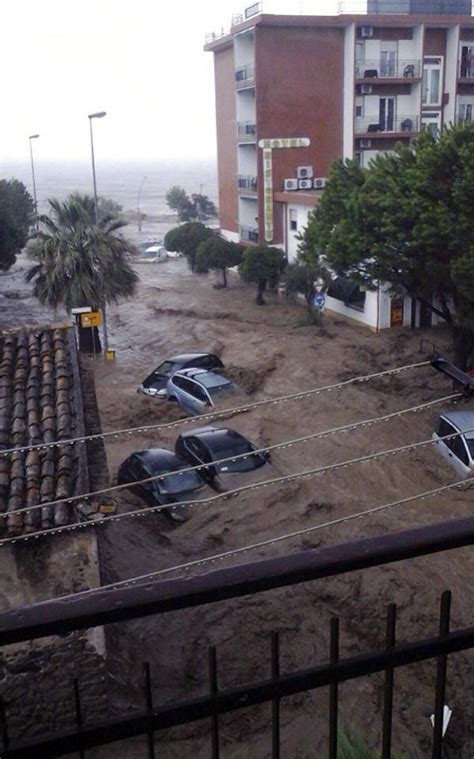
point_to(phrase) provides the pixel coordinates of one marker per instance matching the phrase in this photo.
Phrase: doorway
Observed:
(387, 114)
(396, 312)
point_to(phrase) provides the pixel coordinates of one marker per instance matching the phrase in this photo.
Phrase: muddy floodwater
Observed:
(270, 356)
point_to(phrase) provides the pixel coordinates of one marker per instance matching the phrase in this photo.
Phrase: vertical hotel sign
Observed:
(268, 145)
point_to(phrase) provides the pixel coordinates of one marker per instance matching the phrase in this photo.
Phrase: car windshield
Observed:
(167, 368)
(180, 482)
(226, 446)
(217, 385)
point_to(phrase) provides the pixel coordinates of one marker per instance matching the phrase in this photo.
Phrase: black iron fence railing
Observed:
(246, 131)
(107, 606)
(248, 234)
(245, 75)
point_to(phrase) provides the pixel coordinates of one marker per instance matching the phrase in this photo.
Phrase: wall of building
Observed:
(301, 213)
(226, 138)
(299, 85)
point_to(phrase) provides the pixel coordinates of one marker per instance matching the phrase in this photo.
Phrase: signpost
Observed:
(92, 319)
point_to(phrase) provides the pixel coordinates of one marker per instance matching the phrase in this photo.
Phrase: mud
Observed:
(268, 355)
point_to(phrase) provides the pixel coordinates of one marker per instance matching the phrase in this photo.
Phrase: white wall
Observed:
(244, 48)
(349, 91)
(302, 213)
(231, 236)
(368, 316)
(451, 73)
(247, 160)
(248, 210)
(245, 105)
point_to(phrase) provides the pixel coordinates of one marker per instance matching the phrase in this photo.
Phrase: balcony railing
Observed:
(377, 69)
(466, 69)
(387, 125)
(248, 234)
(247, 131)
(247, 183)
(245, 75)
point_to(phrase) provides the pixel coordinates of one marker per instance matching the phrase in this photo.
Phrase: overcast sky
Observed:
(141, 61)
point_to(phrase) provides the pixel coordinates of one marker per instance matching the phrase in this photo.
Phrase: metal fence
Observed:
(103, 607)
(390, 69)
(390, 124)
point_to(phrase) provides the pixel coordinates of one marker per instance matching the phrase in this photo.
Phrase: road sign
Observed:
(319, 301)
(94, 319)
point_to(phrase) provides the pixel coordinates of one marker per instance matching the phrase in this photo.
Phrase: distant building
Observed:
(295, 93)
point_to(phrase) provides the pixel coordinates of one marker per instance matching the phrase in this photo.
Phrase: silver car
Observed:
(198, 390)
(459, 450)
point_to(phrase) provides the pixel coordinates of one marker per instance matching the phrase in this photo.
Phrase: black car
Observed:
(165, 490)
(209, 444)
(157, 380)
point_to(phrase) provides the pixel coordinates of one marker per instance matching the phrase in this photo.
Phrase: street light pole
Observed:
(98, 115)
(138, 204)
(34, 137)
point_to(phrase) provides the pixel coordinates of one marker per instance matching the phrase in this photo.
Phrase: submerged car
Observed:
(155, 383)
(154, 255)
(165, 490)
(459, 450)
(207, 445)
(198, 390)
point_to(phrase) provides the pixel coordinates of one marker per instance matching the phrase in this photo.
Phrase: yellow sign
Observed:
(92, 319)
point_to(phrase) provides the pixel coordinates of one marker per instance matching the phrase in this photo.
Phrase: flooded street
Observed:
(269, 356)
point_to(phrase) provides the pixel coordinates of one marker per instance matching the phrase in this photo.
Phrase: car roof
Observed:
(206, 377)
(189, 357)
(159, 459)
(201, 431)
(463, 420)
(210, 434)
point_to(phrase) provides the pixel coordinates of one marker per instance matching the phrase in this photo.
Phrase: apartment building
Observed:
(295, 93)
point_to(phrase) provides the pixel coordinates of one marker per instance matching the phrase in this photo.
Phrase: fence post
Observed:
(440, 687)
(149, 708)
(213, 691)
(77, 706)
(388, 686)
(276, 701)
(333, 688)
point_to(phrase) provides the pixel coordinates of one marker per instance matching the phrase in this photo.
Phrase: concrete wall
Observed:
(226, 137)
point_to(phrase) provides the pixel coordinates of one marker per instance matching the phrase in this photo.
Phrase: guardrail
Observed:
(374, 125)
(398, 69)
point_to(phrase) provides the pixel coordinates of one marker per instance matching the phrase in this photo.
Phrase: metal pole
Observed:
(33, 137)
(138, 204)
(98, 115)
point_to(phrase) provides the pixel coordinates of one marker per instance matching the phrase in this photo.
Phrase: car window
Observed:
(235, 445)
(459, 450)
(470, 445)
(199, 393)
(445, 428)
(181, 382)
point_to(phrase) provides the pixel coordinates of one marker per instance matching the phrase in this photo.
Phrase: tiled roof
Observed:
(39, 404)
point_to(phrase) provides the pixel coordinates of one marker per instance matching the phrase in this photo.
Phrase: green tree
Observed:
(300, 277)
(407, 220)
(108, 208)
(262, 264)
(76, 262)
(198, 207)
(16, 218)
(186, 239)
(217, 253)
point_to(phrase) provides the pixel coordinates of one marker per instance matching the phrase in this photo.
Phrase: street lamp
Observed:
(138, 204)
(98, 115)
(34, 137)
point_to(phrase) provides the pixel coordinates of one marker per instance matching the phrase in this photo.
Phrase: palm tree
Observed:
(79, 263)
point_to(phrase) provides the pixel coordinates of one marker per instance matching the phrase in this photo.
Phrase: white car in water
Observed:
(459, 449)
(154, 255)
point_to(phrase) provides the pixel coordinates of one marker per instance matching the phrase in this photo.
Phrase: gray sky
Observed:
(142, 61)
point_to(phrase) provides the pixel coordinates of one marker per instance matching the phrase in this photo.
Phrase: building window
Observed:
(432, 81)
(293, 220)
(358, 158)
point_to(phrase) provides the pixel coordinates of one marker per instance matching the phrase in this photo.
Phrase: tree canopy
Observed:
(196, 207)
(16, 218)
(218, 253)
(262, 264)
(186, 238)
(407, 220)
(76, 262)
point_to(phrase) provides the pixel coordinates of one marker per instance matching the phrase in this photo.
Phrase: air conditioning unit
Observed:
(290, 184)
(305, 184)
(365, 143)
(319, 183)
(304, 172)
(366, 89)
(367, 31)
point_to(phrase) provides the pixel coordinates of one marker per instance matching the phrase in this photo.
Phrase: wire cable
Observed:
(214, 415)
(307, 474)
(266, 543)
(232, 459)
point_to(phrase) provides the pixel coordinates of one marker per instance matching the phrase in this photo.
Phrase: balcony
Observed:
(248, 234)
(247, 184)
(373, 70)
(246, 131)
(466, 70)
(245, 76)
(376, 127)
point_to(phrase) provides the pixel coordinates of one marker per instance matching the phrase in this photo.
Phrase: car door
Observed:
(451, 448)
(187, 394)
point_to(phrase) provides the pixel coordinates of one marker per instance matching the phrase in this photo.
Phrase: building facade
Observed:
(295, 93)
